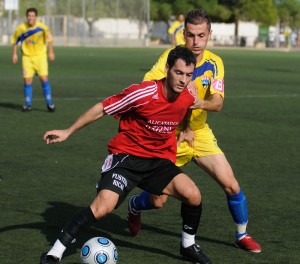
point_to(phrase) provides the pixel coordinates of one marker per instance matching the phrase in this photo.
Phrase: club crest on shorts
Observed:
(107, 163)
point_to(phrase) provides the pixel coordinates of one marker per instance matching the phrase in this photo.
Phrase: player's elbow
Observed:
(219, 107)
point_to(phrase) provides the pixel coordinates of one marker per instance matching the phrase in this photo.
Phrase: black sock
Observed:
(190, 218)
(84, 219)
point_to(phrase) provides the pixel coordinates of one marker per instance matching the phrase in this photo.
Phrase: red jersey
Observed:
(147, 120)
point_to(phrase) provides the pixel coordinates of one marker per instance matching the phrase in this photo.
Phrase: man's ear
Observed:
(166, 68)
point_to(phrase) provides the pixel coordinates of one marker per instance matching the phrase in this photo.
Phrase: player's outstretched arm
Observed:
(90, 116)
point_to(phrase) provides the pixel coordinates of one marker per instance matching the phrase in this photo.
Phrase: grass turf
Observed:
(42, 186)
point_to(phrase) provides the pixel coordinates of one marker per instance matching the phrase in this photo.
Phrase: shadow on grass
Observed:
(11, 106)
(59, 214)
(19, 107)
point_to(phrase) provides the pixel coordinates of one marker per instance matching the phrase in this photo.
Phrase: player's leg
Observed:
(42, 70)
(210, 157)
(103, 204)
(47, 93)
(218, 167)
(111, 192)
(185, 190)
(147, 201)
(141, 202)
(28, 72)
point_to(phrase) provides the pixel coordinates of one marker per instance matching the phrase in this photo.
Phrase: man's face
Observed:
(31, 18)
(179, 76)
(196, 37)
(181, 18)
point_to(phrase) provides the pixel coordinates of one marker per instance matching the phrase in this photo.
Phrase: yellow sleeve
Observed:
(157, 72)
(217, 82)
(16, 35)
(47, 32)
(173, 27)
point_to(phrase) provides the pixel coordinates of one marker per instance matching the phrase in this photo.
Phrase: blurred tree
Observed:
(181, 7)
(263, 12)
(161, 10)
(164, 10)
(92, 10)
(216, 11)
(289, 13)
(38, 4)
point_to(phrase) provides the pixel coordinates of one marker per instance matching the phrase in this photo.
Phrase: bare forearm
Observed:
(14, 56)
(90, 116)
(14, 49)
(50, 47)
(214, 104)
(51, 54)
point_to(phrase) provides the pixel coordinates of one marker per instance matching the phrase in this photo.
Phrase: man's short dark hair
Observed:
(181, 52)
(196, 17)
(32, 9)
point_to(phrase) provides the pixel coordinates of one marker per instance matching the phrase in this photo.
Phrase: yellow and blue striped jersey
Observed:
(208, 76)
(33, 39)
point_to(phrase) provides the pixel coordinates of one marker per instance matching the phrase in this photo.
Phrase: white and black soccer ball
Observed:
(99, 250)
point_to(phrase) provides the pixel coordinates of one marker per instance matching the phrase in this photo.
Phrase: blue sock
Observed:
(142, 202)
(28, 94)
(47, 92)
(237, 204)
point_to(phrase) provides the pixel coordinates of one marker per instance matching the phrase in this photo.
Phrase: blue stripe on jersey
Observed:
(206, 66)
(28, 34)
(177, 29)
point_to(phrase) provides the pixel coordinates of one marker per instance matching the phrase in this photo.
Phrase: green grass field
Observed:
(42, 186)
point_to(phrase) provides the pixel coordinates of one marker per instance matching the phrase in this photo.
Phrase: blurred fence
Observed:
(127, 23)
(85, 22)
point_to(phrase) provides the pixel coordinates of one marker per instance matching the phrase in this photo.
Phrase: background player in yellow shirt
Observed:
(198, 142)
(176, 31)
(34, 37)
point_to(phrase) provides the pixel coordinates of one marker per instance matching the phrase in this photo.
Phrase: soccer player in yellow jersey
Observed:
(176, 31)
(198, 143)
(34, 37)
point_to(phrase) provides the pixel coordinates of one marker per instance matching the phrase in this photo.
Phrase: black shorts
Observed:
(122, 172)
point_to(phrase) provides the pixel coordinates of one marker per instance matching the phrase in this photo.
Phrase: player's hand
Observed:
(189, 137)
(14, 58)
(193, 89)
(56, 136)
(180, 138)
(51, 56)
(198, 104)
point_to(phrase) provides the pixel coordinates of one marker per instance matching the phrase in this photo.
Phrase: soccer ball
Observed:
(99, 250)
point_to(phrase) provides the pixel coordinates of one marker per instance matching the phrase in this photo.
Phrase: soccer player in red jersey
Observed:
(143, 153)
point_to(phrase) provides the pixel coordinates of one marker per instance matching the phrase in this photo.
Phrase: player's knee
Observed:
(102, 210)
(232, 188)
(193, 196)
